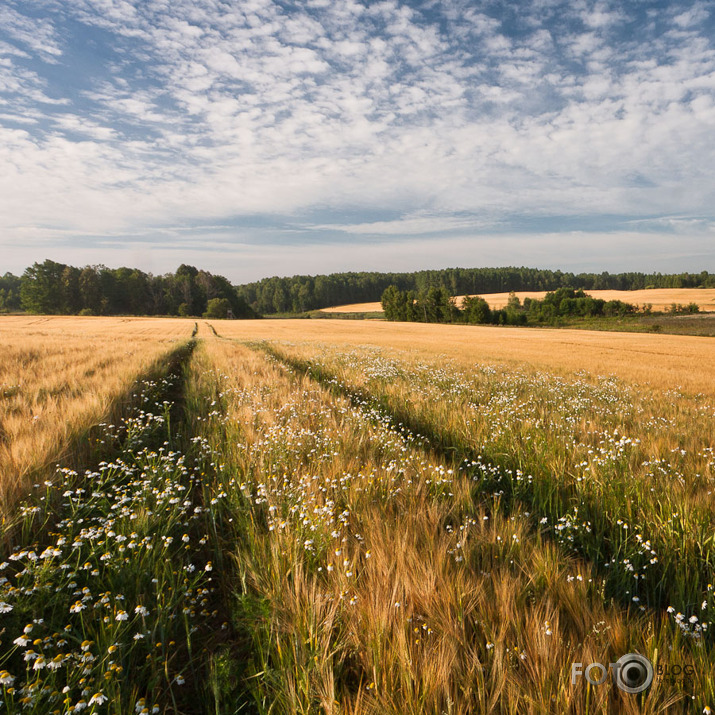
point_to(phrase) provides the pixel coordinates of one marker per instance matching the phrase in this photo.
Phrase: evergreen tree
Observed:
(41, 289)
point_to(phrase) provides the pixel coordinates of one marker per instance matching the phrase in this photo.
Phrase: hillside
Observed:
(660, 299)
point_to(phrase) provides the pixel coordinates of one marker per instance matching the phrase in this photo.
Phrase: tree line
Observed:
(436, 305)
(56, 288)
(51, 287)
(298, 294)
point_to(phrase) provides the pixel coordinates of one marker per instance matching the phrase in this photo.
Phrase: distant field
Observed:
(354, 308)
(662, 360)
(660, 299)
(352, 517)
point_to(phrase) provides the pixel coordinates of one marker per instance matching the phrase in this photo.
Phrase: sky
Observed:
(256, 137)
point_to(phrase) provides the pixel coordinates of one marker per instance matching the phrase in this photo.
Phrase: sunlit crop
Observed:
(293, 526)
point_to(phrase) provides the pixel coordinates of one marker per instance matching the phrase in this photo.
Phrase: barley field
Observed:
(58, 377)
(293, 516)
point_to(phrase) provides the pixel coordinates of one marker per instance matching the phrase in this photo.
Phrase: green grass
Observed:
(699, 324)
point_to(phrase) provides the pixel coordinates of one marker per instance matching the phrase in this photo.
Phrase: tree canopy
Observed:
(436, 306)
(55, 288)
(51, 287)
(303, 293)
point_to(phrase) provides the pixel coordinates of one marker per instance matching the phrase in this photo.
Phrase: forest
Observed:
(298, 294)
(55, 288)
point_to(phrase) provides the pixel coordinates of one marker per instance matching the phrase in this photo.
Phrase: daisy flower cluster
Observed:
(293, 451)
(599, 462)
(109, 584)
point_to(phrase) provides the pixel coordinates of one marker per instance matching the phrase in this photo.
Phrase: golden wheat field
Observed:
(658, 298)
(353, 517)
(665, 361)
(59, 375)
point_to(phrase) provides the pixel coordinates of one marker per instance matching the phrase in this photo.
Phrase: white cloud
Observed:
(35, 34)
(84, 126)
(203, 111)
(693, 16)
(412, 225)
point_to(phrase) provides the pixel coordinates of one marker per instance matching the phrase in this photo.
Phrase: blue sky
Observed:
(257, 137)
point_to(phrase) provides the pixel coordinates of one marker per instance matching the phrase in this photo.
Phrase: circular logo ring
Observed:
(634, 673)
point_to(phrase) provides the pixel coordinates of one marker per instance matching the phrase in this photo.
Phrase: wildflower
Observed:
(179, 680)
(77, 607)
(5, 607)
(98, 699)
(56, 662)
(208, 567)
(22, 641)
(122, 616)
(142, 610)
(6, 678)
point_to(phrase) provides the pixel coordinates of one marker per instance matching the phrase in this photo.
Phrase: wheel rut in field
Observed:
(110, 568)
(597, 545)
